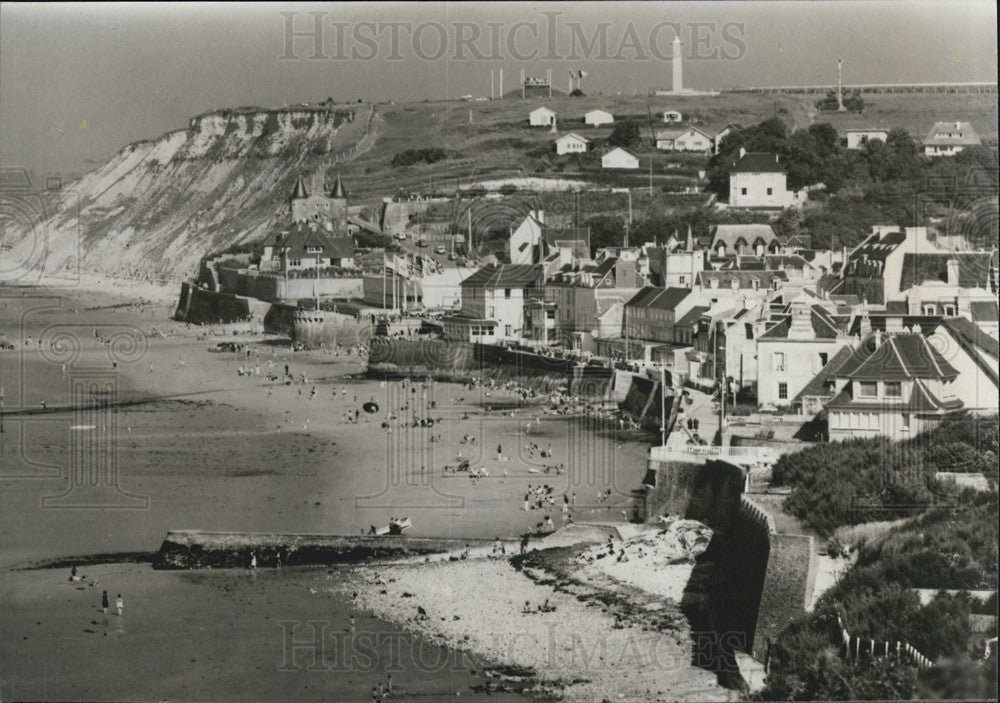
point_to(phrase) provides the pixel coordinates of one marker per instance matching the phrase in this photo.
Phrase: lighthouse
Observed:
(678, 84)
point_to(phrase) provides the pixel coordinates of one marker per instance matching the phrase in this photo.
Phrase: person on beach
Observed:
(105, 603)
(253, 560)
(119, 604)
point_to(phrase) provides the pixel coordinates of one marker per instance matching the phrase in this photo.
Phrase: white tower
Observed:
(678, 85)
(840, 89)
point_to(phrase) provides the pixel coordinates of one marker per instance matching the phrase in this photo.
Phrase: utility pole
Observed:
(651, 178)
(663, 406)
(721, 374)
(1, 409)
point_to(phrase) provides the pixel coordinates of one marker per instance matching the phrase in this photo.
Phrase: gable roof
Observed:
(572, 135)
(973, 269)
(658, 298)
(973, 340)
(596, 111)
(693, 315)
(298, 237)
(504, 276)
(818, 385)
(824, 325)
(730, 234)
(757, 163)
(676, 132)
(619, 150)
(902, 357)
(743, 278)
(965, 135)
(542, 109)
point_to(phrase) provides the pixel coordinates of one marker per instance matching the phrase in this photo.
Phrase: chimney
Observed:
(952, 272)
(878, 338)
(743, 152)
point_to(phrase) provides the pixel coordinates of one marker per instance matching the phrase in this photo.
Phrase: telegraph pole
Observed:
(663, 406)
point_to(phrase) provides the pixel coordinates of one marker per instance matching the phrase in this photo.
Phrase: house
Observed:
(649, 321)
(494, 301)
(730, 240)
(795, 346)
(571, 143)
(742, 283)
(672, 116)
(685, 139)
(856, 138)
(533, 241)
(906, 267)
(949, 138)
(595, 118)
(619, 158)
(675, 268)
(759, 181)
(893, 386)
(303, 245)
(589, 299)
(974, 354)
(541, 117)
(443, 289)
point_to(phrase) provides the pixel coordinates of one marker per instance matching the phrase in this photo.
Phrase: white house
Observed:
(672, 116)
(685, 139)
(856, 138)
(725, 131)
(571, 143)
(949, 138)
(494, 300)
(541, 117)
(758, 180)
(596, 118)
(619, 158)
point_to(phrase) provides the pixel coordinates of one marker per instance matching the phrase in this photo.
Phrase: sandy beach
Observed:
(198, 445)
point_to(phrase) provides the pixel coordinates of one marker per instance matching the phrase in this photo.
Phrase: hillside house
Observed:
(759, 181)
(685, 139)
(949, 138)
(857, 138)
(974, 354)
(541, 117)
(894, 386)
(672, 116)
(571, 143)
(619, 158)
(494, 301)
(326, 206)
(596, 118)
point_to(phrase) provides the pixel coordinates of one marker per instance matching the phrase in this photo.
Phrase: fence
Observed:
(739, 455)
(861, 645)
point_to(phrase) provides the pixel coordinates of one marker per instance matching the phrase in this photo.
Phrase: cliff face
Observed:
(158, 206)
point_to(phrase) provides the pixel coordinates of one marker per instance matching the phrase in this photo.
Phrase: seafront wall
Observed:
(202, 307)
(760, 579)
(194, 549)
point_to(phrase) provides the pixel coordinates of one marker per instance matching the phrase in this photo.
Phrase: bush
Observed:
(415, 156)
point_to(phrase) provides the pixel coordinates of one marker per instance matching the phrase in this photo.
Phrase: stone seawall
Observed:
(760, 579)
(194, 549)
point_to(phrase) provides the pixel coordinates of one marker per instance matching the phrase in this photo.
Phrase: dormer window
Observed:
(314, 250)
(755, 283)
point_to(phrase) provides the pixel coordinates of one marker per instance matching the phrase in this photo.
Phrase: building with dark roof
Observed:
(494, 302)
(759, 181)
(302, 245)
(896, 386)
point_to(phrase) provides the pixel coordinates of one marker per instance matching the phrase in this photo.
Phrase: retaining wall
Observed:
(204, 307)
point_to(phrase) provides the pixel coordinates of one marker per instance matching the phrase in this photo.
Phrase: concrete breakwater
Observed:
(195, 549)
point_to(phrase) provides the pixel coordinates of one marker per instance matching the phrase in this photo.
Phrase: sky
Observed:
(79, 81)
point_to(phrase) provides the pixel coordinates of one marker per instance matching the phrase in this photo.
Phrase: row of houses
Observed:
(545, 117)
(943, 139)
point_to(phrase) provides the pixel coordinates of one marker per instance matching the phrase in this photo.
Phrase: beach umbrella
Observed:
(370, 407)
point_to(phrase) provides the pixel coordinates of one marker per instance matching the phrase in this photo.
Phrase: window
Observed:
(782, 391)
(506, 292)
(748, 328)
(506, 330)
(906, 421)
(314, 250)
(779, 361)
(489, 331)
(949, 310)
(295, 262)
(867, 389)
(823, 356)
(770, 191)
(755, 283)
(930, 310)
(490, 311)
(550, 314)
(893, 389)
(683, 280)
(743, 191)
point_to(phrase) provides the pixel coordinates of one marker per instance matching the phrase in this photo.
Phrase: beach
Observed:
(196, 444)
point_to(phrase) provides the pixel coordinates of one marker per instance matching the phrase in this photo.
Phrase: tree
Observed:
(605, 231)
(624, 134)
